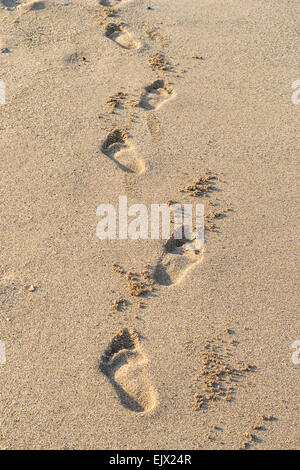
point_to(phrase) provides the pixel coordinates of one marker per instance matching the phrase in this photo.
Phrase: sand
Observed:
(142, 344)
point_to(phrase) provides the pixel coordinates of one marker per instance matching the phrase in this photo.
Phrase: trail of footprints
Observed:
(124, 363)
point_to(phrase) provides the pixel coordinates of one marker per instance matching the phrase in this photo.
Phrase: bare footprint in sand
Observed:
(124, 364)
(156, 94)
(118, 149)
(179, 257)
(119, 34)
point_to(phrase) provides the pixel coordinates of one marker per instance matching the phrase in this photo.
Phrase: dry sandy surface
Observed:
(203, 357)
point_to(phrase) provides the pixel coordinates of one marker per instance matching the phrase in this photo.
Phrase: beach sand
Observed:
(136, 344)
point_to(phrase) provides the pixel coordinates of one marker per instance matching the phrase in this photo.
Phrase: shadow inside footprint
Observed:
(123, 363)
(110, 3)
(37, 6)
(161, 275)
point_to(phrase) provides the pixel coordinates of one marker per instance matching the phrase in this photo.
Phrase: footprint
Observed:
(118, 33)
(117, 148)
(156, 94)
(124, 364)
(179, 257)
